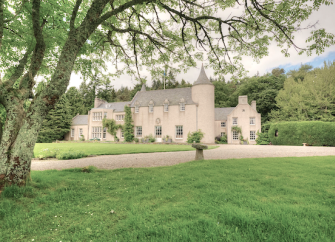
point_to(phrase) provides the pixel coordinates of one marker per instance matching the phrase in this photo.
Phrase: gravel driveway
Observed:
(172, 158)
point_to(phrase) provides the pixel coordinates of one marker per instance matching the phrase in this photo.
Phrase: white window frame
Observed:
(137, 109)
(166, 107)
(235, 135)
(252, 135)
(97, 116)
(252, 121)
(158, 131)
(179, 131)
(182, 107)
(80, 132)
(122, 134)
(223, 124)
(105, 114)
(151, 108)
(223, 134)
(72, 132)
(235, 121)
(139, 131)
(96, 132)
(104, 133)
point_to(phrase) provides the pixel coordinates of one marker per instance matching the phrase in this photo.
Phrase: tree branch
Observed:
(1, 21)
(27, 82)
(74, 14)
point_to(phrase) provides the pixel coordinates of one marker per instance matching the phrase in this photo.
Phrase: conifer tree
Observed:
(57, 122)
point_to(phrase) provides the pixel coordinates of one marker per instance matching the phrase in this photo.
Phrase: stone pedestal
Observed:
(199, 153)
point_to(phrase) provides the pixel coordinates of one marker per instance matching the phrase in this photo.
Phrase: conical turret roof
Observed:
(143, 89)
(202, 79)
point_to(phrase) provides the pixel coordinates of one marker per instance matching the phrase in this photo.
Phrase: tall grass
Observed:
(268, 199)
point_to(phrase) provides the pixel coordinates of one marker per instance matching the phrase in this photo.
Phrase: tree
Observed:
(53, 38)
(56, 123)
(310, 99)
(76, 102)
(277, 71)
(128, 130)
(301, 73)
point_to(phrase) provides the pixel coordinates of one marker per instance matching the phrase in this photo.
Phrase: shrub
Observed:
(195, 136)
(151, 138)
(295, 133)
(136, 140)
(221, 139)
(82, 138)
(48, 153)
(263, 138)
(68, 155)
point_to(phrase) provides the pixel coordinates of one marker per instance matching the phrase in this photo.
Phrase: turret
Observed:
(203, 95)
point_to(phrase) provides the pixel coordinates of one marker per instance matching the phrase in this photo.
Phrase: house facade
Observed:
(172, 113)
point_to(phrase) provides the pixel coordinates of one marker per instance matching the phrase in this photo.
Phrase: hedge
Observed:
(295, 133)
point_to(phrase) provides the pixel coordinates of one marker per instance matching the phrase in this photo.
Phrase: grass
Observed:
(51, 149)
(265, 199)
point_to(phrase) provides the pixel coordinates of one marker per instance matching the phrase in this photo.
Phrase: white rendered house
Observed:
(173, 113)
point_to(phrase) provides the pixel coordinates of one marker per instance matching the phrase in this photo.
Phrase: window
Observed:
(137, 109)
(223, 134)
(97, 116)
(252, 135)
(96, 132)
(105, 114)
(223, 124)
(234, 121)
(80, 132)
(252, 121)
(179, 132)
(182, 106)
(119, 117)
(138, 131)
(158, 131)
(104, 133)
(151, 108)
(72, 132)
(122, 135)
(166, 107)
(235, 135)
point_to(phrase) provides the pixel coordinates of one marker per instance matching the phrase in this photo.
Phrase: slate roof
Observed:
(117, 106)
(80, 120)
(159, 96)
(222, 113)
(202, 79)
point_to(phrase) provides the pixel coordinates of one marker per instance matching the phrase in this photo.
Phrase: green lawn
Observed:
(268, 199)
(107, 149)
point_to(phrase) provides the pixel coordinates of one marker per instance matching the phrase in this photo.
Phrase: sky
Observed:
(325, 18)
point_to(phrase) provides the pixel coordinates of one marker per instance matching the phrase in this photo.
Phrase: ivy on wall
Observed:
(111, 126)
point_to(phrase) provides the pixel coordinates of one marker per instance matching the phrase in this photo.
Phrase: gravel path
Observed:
(172, 158)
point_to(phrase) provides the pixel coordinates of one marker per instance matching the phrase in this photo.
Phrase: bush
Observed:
(151, 138)
(82, 138)
(136, 140)
(195, 136)
(221, 139)
(263, 138)
(48, 153)
(295, 133)
(68, 155)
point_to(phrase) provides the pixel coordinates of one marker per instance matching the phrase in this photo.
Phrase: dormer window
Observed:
(166, 105)
(182, 105)
(151, 106)
(137, 107)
